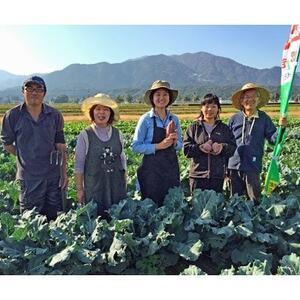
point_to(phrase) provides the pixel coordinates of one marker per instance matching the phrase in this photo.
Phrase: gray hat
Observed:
(264, 95)
(160, 84)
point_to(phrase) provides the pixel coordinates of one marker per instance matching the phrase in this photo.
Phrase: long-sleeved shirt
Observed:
(104, 134)
(143, 135)
(204, 165)
(250, 134)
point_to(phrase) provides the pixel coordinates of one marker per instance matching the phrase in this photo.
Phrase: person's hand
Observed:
(165, 143)
(283, 121)
(63, 182)
(80, 196)
(173, 136)
(206, 147)
(216, 148)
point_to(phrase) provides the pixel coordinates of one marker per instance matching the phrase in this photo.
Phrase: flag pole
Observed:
(289, 63)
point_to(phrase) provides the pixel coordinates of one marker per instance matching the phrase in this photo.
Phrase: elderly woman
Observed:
(158, 136)
(251, 127)
(100, 162)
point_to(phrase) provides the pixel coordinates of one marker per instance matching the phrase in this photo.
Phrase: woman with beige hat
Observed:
(100, 162)
(158, 137)
(250, 127)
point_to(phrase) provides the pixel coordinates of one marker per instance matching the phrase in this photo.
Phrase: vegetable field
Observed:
(206, 233)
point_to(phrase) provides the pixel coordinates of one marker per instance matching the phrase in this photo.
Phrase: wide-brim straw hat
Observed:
(160, 84)
(263, 97)
(100, 99)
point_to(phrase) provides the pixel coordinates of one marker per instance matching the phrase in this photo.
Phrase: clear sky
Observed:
(43, 48)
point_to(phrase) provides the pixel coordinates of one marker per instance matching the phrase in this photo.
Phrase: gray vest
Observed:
(104, 176)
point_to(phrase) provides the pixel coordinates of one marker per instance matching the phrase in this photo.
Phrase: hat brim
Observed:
(262, 101)
(88, 103)
(43, 85)
(147, 100)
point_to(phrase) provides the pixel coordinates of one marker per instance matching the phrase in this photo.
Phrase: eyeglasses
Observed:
(31, 90)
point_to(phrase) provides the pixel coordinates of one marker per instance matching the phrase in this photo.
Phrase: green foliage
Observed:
(289, 265)
(143, 239)
(217, 234)
(192, 270)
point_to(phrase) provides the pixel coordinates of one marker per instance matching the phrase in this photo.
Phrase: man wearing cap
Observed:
(250, 127)
(33, 131)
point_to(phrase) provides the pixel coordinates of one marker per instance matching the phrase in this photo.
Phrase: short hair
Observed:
(111, 117)
(210, 99)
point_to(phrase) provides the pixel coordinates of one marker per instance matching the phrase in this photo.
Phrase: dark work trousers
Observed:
(160, 171)
(43, 194)
(245, 183)
(215, 184)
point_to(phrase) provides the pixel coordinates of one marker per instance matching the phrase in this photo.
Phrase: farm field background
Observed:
(201, 234)
(72, 112)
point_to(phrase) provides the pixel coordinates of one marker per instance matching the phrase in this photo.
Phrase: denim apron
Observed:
(160, 171)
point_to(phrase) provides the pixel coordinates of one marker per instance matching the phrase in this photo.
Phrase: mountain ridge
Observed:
(187, 70)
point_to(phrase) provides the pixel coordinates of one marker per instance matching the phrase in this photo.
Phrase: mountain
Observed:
(8, 80)
(129, 74)
(224, 71)
(133, 76)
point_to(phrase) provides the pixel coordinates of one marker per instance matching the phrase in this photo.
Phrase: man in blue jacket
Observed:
(251, 127)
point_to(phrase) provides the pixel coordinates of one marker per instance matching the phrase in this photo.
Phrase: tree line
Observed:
(186, 95)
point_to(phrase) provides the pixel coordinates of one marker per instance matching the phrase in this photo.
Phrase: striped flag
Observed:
(289, 63)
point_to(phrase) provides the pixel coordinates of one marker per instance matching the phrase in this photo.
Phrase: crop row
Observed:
(206, 233)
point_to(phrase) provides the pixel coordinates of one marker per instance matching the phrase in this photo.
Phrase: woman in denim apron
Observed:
(158, 137)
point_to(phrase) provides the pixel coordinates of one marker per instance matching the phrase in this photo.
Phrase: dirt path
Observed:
(74, 118)
(69, 118)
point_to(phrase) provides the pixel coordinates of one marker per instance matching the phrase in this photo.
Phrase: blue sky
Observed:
(45, 48)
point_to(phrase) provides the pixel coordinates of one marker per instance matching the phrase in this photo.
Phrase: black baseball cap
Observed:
(35, 79)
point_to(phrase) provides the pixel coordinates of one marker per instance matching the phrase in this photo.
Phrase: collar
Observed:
(202, 122)
(255, 115)
(96, 127)
(45, 108)
(153, 114)
(22, 106)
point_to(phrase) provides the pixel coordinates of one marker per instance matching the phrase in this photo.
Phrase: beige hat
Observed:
(160, 84)
(100, 99)
(263, 98)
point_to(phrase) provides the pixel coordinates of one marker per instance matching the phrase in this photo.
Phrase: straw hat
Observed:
(100, 99)
(263, 97)
(160, 84)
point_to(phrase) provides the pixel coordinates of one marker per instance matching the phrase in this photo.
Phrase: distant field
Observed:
(133, 111)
